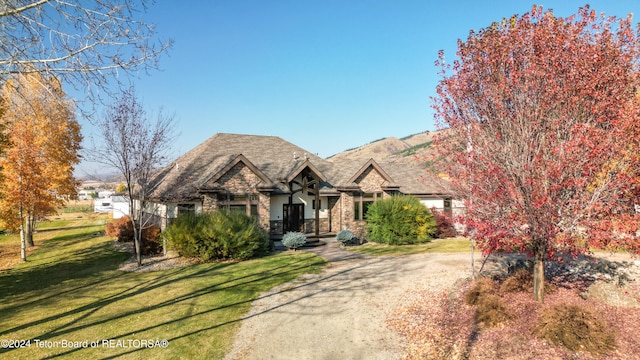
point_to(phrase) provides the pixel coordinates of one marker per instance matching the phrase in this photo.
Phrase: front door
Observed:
(292, 217)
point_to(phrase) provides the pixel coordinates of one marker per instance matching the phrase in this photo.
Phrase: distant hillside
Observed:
(410, 149)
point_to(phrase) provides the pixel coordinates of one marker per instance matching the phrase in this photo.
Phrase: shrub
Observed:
(400, 219)
(346, 237)
(491, 311)
(577, 328)
(294, 240)
(522, 281)
(444, 224)
(480, 288)
(121, 229)
(220, 234)
(151, 244)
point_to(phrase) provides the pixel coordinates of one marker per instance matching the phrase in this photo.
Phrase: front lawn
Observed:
(452, 245)
(72, 299)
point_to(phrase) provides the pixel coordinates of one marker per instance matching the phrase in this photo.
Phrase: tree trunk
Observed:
(538, 276)
(28, 232)
(136, 244)
(138, 232)
(23, 245)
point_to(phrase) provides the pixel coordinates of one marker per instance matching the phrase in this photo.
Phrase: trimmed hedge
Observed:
(217, 235)
(400, 219)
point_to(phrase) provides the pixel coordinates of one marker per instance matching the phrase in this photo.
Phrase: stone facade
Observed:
(370, 181)
(209, 202)
(310, 226)
(264, 209)
(240, 180)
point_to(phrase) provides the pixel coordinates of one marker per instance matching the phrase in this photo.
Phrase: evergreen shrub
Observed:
(400, 219)
(294, 239)
(346, 237)
(217, 235)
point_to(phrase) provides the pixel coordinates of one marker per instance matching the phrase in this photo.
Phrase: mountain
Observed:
(412, 149)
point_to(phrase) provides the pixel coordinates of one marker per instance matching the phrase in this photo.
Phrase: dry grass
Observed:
(576, 328)
(10, 252)
(480, 288)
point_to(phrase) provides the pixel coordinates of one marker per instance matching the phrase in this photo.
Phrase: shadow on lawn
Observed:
(84, 263)
(343, 287)
(94, 264)
(63, 228)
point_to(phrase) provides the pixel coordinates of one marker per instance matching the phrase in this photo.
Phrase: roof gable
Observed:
(301, 167)
(211, 183)
(371, 164)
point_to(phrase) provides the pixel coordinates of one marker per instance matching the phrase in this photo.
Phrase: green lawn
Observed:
(71, 291)
(452, 245)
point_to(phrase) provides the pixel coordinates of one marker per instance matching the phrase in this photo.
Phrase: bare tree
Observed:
(135, 146)
(85, 43)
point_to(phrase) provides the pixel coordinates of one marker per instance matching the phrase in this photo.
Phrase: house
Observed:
(102, 205)
(85, 195)
(105, 194)
(284, 186)
(120, 206)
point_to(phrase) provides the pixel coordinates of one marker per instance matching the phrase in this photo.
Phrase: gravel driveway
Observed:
(341, 312)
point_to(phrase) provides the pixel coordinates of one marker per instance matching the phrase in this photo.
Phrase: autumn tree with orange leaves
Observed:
(544, 127)
(43, 148)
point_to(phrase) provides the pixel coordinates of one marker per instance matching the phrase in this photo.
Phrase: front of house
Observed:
(283, 186)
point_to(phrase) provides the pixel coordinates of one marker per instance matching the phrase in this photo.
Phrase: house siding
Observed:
(370, 181)
(240, 180)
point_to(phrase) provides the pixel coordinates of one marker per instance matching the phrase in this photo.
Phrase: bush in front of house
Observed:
(122, 230)
(400, 219)
(444, 223)
(294, 240)
(217, 235)
(346, 237)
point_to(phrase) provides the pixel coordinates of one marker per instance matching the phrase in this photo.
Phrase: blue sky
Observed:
(326, 75)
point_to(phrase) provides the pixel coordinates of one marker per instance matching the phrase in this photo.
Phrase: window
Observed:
(247, 203)
(313, 204)
(184, 209)
(447, 206)
(361, 203)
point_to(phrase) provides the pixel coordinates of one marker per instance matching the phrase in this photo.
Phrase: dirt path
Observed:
(341, 312)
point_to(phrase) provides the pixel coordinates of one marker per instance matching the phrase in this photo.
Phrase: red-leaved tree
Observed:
(543, 131)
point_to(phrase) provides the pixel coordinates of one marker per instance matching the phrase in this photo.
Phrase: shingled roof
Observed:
(275, 159)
